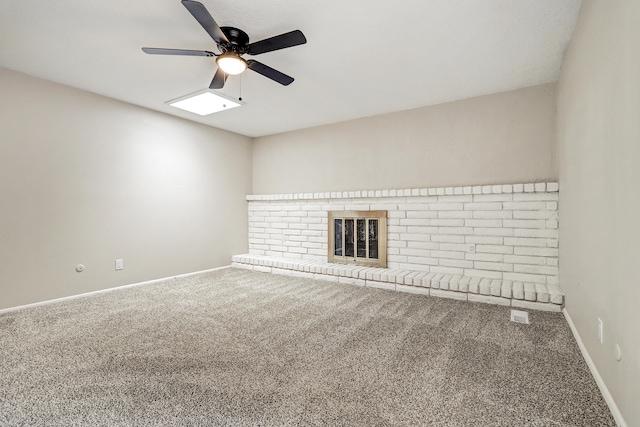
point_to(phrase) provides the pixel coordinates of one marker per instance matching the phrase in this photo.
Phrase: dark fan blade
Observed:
(293, 38)
(204, 18)
(269, 72)
(159, 51)
(219, 79)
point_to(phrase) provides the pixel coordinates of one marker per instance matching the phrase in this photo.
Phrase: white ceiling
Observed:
(363, 57)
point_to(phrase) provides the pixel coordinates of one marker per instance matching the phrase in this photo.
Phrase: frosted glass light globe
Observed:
(231, 63)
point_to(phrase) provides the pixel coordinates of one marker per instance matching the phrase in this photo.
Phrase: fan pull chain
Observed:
(240, 97)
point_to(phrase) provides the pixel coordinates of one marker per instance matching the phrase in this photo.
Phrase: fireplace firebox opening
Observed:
(358, 237)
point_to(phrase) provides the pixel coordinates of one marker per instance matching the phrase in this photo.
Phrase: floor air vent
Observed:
(519, 316)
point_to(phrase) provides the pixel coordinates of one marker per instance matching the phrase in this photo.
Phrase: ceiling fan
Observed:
(233, 43)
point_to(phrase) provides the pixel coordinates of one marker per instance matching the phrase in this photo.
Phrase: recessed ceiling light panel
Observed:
(204, 103)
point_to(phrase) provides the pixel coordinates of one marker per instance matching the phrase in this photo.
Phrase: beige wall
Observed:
(599, 172)
(502, 138)
(86, 179)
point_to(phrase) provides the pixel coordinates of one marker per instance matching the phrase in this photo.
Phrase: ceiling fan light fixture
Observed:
(231, 63)
(232, 43)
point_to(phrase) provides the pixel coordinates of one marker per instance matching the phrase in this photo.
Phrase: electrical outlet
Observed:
(600, 330)
(119, 264)
(471, 248)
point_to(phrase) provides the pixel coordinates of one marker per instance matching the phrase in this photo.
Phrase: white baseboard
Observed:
(102, 291)
(608, 398)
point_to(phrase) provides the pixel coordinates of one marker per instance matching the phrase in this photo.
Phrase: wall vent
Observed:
(519, 316)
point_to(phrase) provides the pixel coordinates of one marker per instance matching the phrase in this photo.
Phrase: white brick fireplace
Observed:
(491, 236)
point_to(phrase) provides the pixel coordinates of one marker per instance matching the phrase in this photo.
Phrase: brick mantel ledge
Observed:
(533, 187)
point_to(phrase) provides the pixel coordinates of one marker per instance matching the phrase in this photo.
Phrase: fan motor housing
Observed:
(238, 40)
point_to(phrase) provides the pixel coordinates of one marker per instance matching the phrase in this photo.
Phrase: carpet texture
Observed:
(241, 348)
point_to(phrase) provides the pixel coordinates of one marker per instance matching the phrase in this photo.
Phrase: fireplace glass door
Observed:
(356, 237)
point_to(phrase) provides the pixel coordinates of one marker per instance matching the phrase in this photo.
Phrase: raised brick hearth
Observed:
(503, 292)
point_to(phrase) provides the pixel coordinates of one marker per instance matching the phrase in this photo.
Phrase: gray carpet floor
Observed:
(241, 348)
